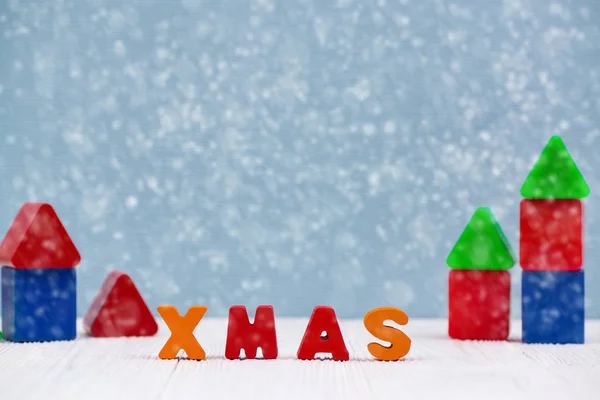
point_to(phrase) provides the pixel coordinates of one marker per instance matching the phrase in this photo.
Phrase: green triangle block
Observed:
(482, 245)
(555, 175)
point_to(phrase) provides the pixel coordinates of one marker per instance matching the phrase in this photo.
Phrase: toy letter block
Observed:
(479, 305)
(551, 235)
(37, 239)
(119, 310)
(399, 341)
(482, 245)
(553, 307)
(39, 305)
(182, 332)
(555, 175)
(241, 334)
(323, 319)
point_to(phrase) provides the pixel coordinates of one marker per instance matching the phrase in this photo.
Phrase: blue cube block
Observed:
(553, 307)
(39, 305)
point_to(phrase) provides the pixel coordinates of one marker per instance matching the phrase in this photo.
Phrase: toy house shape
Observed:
(479, 282)
(38, 277)
(551, 215)
(551, 248)
(119, 310)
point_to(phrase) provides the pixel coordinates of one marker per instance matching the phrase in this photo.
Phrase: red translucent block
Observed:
(119, 310)
(37, 239)
(323, 319)
(479, 304)
(551, 237)
(241, 334)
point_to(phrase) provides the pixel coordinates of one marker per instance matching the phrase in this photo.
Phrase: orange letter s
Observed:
(399, 341)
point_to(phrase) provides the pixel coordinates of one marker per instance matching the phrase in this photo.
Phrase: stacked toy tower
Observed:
(38, 277)
(479, 282)
(551, 248)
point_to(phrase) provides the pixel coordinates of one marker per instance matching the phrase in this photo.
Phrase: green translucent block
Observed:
(482, 245)
(555, 175)
(0, 335)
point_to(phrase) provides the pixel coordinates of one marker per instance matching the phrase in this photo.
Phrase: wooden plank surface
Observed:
(436, 368)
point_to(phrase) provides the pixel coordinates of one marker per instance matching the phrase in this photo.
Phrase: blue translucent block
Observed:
(39, 305)
(553, 307)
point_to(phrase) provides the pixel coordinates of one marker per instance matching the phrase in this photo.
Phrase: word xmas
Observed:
(241, 334)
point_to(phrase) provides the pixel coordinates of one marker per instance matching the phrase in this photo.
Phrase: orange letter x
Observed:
(182, 332)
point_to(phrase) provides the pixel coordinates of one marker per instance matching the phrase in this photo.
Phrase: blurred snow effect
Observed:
(294, 152)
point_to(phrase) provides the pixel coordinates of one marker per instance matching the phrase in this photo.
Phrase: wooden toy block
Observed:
(399, 342)
(39, 304)
(323, 319)
(555, 175)
(553, 306)
(551, 237)
(482, 245)
(479, 305)
(182, 332)
(241, 334)
(37, 239)
(119, 310)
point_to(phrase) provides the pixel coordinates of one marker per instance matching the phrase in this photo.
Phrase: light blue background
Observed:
(291, 152)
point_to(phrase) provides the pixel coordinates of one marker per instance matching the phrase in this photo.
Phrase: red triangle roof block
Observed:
(119, 310)
(37, 239)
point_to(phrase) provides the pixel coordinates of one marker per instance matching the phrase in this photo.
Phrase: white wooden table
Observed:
(436, 368)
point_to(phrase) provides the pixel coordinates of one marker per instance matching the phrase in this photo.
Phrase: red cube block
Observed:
(551, 235)
(479, 304)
